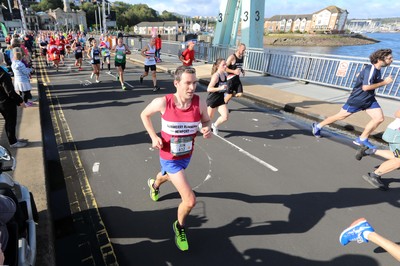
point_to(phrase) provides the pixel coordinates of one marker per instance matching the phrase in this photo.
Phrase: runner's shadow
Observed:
(150, 232)
(307, 209)
(272, 134)
(104, 142)
(388, 181)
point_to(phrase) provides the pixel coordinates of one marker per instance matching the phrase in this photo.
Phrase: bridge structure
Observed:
(249, 15)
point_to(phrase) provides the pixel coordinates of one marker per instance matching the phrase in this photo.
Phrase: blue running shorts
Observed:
(353, 109)
(173, 166)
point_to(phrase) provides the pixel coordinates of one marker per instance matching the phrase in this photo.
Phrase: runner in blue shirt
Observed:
(363, 97)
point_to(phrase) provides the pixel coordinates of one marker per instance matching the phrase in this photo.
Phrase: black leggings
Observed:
(9, 111)
(26, 95)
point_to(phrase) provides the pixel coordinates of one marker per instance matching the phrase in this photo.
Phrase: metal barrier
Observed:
(314, 68)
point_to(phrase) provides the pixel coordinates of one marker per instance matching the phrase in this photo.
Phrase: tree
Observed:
(89, 8)
(167, 16)
(45, 5)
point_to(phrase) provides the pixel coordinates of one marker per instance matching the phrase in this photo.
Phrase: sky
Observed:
(356, 8)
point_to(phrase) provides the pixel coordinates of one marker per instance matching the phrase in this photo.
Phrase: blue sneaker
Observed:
(315, 130)
(358, 142)
(355, 232)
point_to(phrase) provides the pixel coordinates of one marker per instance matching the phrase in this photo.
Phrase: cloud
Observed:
(371, 9)
(187, 7)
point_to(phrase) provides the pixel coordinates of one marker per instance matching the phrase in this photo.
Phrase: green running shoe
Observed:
(124, 88)
(117, 78)
(153, 192)
(180, 237)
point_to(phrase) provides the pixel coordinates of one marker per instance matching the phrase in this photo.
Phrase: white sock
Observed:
(366, 234)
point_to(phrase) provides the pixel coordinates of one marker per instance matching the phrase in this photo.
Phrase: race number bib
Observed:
(105, 52)
(181, 145)
(119, 56)
(96, 57)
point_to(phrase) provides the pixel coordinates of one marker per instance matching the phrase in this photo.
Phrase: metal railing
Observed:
(313, 68)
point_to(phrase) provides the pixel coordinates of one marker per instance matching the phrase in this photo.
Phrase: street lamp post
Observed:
(95, 17)
(104, 17)
(21, 9)
(99, 17)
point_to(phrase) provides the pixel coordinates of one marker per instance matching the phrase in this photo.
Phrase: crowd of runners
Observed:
(184, 108)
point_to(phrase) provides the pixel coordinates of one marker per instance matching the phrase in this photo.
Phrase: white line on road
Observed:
(126, 83)
(95, 168)
(255, 158)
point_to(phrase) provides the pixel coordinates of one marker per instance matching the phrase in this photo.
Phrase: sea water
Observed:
(387, 40)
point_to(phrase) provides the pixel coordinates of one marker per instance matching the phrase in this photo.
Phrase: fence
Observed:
(328, 70)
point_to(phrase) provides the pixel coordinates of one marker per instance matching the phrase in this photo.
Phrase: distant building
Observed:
(363, 25)
(331, 19)
(69, 18)
(46, 22)
(155, 28)
(288, 23)
(31, 19)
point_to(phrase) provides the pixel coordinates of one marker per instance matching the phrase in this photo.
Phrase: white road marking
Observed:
(126, 83)
(95, 168)
(255, 158)
(208, 176)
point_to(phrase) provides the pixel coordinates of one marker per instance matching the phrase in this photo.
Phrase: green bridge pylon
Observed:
(249, 14)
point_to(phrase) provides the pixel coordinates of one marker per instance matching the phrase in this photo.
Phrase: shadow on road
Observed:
(212, 246)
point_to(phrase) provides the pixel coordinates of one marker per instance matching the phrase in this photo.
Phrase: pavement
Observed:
(314, 102)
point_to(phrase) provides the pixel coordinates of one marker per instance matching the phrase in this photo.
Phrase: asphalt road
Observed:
(268, 192)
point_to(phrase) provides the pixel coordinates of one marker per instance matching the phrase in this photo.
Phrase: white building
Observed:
(155, 28)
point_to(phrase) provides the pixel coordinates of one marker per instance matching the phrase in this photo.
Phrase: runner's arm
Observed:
(157, 105)
(397, 114)
(89, 53)
(182, 57)
(213, 82)
(370, 87)
(230, 61)
(127, 51)
(143, 52)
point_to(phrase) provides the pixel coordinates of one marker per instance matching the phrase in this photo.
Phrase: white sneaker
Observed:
(109, 72)
(19, 144)
(91, 76)
(98, 81)
(214, 129)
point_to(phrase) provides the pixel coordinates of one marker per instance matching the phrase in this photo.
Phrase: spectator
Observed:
(9, 100)
(158, 48)
(21, 78)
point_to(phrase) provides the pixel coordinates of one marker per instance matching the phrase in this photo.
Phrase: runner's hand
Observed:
(388, 80)
(206, 131)
(157, 143)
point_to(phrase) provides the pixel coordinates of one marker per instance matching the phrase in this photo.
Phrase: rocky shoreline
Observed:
(316, 40)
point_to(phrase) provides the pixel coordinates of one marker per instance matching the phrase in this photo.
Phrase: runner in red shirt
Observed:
(187, 56)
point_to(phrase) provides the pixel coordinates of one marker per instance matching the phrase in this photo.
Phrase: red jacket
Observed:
(158, 43)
